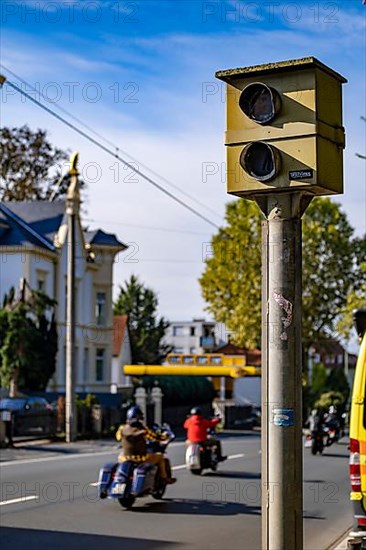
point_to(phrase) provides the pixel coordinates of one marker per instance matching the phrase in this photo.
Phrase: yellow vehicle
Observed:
(357, 432)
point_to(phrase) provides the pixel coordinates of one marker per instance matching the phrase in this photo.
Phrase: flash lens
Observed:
(260, 160)
(260, 102)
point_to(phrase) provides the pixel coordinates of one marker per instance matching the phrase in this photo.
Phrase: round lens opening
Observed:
(259, 102)
(260, 161)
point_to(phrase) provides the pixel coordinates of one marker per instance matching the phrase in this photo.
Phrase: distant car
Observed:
(29, 415)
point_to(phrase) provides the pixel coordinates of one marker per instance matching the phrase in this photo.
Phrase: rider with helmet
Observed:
(197, 426)
(331, 420)
(315, 422)
(133, 436)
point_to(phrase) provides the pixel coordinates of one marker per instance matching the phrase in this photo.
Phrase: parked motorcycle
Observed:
(129, 480)
(199, 457)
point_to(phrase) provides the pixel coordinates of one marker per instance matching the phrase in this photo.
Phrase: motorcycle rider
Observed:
(331, 420)
(197, 426)
(133, 436)
(315, 422)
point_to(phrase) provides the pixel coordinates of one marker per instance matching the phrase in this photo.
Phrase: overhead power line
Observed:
(106, 140)
(113, 154)
(149, 227)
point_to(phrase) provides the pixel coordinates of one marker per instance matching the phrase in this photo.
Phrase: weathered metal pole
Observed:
(72, 205)
(281, 372)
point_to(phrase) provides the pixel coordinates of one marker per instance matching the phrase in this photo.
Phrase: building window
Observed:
(178, 330)
(85, 365)
(100, 363)
(40, 285)
(192, 350)
(178, 350)
(41, 280)
(100, 308)
(193, 331)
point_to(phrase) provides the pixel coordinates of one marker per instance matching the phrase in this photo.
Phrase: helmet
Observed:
(134, 414)
(196, 410)
(332, 409)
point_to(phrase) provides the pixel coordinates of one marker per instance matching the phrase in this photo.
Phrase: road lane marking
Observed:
(231, 457)
(240, 455)
(17, 500)
(83, 455)
(51, 458)
(182, 467)
(70, 456)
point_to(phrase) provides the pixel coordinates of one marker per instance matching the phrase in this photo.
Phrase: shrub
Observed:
(182, 390)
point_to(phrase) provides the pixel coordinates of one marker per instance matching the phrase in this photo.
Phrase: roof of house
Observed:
(253, 357)
(99, 237)
(119, 333)
(37, 222)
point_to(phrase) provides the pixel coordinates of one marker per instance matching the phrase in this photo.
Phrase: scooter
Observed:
(129, 480)
(199, 457)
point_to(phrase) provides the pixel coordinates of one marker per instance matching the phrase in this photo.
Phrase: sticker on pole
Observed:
(283, 417)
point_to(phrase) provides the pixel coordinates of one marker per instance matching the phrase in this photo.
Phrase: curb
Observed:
(342, 542)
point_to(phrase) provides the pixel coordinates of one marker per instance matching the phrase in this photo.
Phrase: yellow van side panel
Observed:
(357, 429)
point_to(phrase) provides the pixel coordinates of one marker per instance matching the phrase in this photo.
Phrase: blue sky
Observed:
(141, 73)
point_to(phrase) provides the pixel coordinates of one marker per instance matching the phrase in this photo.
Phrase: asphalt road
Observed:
(48, 502)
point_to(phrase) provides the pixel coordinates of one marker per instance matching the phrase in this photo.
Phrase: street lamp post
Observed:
(72, 206)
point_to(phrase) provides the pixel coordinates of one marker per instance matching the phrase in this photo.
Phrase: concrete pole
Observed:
(281, 371)
(157, 398)
(222, 388)
(72, 205)
(140, 398)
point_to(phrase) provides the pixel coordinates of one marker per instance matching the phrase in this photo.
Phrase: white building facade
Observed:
(193, 337)
(33, 246)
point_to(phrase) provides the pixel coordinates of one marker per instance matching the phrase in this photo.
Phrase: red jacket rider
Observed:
(197, 426)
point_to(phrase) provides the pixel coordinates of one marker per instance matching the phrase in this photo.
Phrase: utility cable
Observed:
(113, 154)
(149, 227)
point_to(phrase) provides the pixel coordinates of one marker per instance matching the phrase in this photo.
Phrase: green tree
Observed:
(356, 297)
(319, 379)
(329, 260)
(331, 398)
(16, 352)
(28, 345)
(44, 342)
(231, 281)
(182, 390)
(146, 331)
(30, 165)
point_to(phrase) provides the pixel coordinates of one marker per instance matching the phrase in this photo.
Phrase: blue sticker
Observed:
(283, 417)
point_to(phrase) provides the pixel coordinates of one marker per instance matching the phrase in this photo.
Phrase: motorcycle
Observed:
(129, 480)
(199, 457)
(331, 435)
(315, 440)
